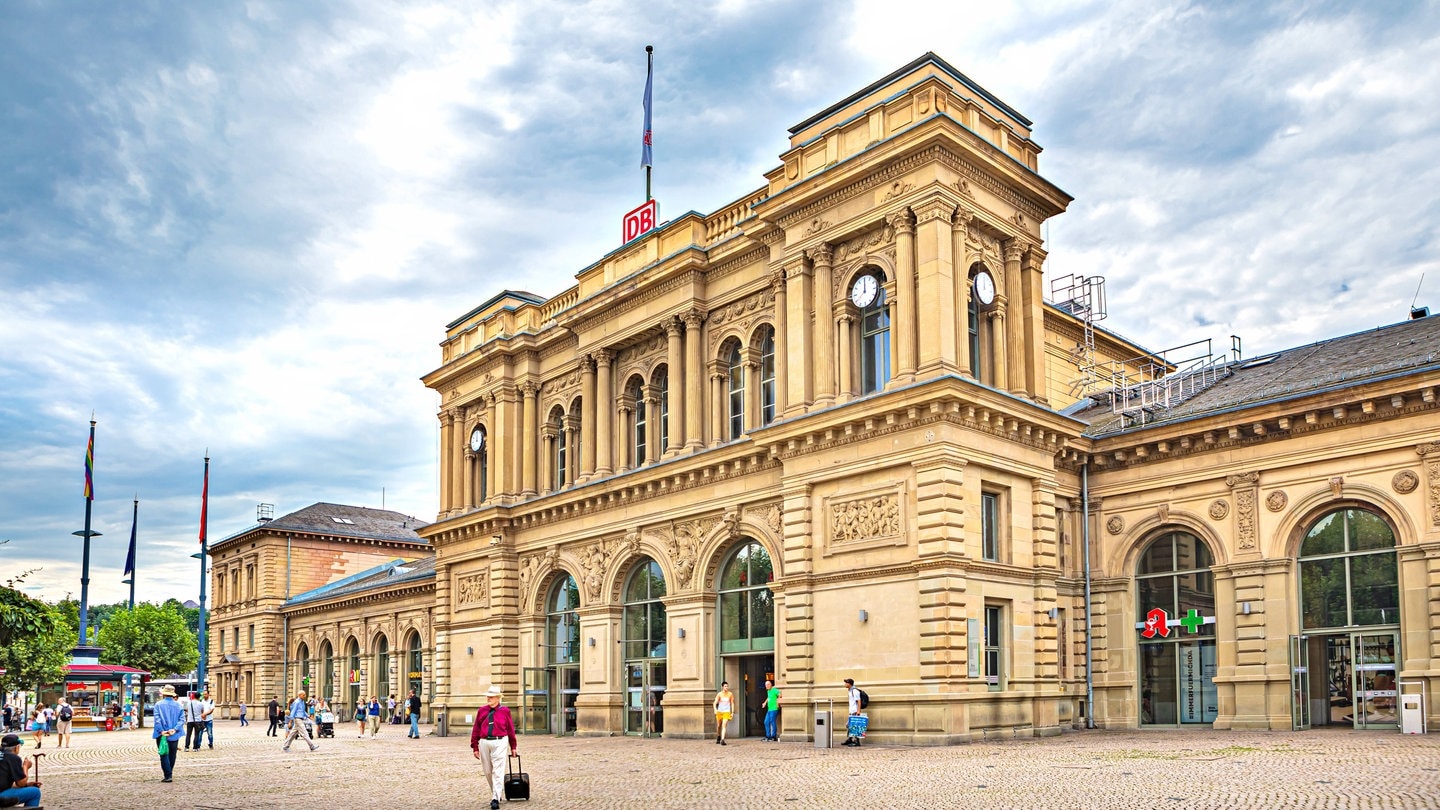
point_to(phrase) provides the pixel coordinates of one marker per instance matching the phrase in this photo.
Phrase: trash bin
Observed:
(442, 725)
(822, 727)
(1412, 713)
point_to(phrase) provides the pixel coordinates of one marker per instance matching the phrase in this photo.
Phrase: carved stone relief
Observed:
(593, 561)
(1219, 509)
(1115, 525)
(533, 568)
(683, 546)
(473, 590)
(1405, 482)
(1245, 497)
(743, 314)
(867, 518)
(1277, 500)
(863, 244)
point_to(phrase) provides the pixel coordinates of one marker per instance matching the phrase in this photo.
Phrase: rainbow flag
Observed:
(90, 466)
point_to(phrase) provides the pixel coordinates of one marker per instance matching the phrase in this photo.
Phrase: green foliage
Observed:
(70, 608)
(34, 641)
(150, 637)
(190, 615)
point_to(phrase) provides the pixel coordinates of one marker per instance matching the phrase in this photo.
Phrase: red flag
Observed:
(204, 500)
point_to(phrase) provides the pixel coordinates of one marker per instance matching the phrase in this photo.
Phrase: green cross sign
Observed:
(1193, 620)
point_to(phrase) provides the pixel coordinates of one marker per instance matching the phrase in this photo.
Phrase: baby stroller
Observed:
(327, 724)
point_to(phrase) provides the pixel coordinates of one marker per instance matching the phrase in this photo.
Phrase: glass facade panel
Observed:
(1368, 531)
(1327, 536)
(747, 606)
(1322, 593)
(1348, 571)
(562, 623)
(875, 344)
(1374, 589)
(737, 392)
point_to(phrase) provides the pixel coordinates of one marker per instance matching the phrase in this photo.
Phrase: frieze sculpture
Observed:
(852, 521)
(473, 590)
(684, 549)
(593, 562)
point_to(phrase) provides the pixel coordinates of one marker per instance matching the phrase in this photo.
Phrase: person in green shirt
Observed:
(772, 711)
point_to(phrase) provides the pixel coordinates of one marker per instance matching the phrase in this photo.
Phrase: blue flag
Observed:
(645, 158)
(130, 559)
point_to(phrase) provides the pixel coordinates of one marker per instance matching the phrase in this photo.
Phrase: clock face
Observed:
(863, 293)
(984, 288)
(477, 440)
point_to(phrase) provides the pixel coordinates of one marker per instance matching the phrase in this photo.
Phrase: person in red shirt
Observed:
(493, 729)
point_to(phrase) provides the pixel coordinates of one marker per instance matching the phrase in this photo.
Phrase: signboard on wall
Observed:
(1199, 701)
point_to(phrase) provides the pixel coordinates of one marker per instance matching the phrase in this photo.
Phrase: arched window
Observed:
(415, 668)
(303, 676)
(973, 322)
(482, 464)
(747, 607)
(644, 612)
(875, 342)
(661, 381)
(980, 285)
(1176, 599)
(382, 667)
(327, 677)
(1348, 572)
(352, 674)
(637, 402)
(557, 424)
(736, 369)
(562, 622)
(767, 377)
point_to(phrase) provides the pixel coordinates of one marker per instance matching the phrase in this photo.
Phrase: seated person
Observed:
(15, 784)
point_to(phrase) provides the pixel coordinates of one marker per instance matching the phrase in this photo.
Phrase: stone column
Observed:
(652, 424)
(959, 229)
(892, 312)
(903, 325)
(531, 438)
(847, 356)
(823, 359)
(719, 405)
(586, 436)
(1033, 278)
(997, 342)
(447, 465)
(625, 444)
(694, 381)
(782, 334)
(469, 479)
(572, 463)
(1014, 381)
(935, 284)
(800, 385)
(677, 377)
(751, 358)
(604, 421)
(549, 434)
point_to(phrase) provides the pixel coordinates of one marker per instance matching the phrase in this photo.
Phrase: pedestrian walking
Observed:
(492, 730)
(855, 703)
(724, 710)
(9, 715)
(274, 716)
(360, 719)
(208, 717)
(194, 721)
(39, 721)
(15, 784)
(243, 709)
(169, 720)
(299, 723)
(412, 704)
(772, 711)
(390, 709)
(64, 716)
(372, 714)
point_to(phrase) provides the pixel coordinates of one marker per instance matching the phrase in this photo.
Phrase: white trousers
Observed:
(299, 728)
(492, 758)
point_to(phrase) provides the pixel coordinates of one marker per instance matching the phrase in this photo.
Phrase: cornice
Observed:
(349, 600)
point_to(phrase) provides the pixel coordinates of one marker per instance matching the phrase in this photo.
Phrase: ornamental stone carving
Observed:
(1115, 525)
(473, 590)
(864, 519)
(1337, 487)
(1405, 482)
(684, 547)
(593, 562)
(1219, 508)
(1245, 516)
(1428, 452)
(1277, 500)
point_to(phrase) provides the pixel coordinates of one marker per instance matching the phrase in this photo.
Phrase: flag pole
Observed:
(204, 640)
(130, 572)
(649, 77)
(87, 534)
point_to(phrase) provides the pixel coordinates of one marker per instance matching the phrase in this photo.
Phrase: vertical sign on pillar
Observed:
(640, 221)
(973, 647)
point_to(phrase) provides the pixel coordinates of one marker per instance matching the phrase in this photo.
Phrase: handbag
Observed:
(856, 724)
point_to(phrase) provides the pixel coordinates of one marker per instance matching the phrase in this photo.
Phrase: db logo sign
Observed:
(639, 221)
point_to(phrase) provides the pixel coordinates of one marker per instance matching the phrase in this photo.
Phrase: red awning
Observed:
(97, 672)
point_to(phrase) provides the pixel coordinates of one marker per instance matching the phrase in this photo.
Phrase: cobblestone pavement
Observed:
(1081, 769)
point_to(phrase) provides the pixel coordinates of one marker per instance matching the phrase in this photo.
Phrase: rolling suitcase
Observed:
(517, 782)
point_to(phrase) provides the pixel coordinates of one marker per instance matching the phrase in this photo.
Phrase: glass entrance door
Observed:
(535, 701)
(644, 696)
(1374, 680)
(567, 688)
(1299, 684)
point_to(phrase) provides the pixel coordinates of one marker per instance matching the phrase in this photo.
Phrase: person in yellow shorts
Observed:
(724, 710)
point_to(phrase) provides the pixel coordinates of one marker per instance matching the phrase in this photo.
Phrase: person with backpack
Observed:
(858, 701)
(64, 714)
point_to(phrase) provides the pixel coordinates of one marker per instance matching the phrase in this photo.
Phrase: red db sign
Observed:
(639, 221)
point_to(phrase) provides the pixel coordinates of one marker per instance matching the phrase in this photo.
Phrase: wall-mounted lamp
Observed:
(469, 650)
(1245, 608)
(680, 632)
(864, 615)
(590, 642)
(1054, 613)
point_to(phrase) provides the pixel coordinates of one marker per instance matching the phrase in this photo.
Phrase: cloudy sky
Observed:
(241, 227)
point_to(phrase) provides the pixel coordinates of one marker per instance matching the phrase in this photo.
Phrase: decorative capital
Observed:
(821, 254)
(603, 357)
(936, 208)
(694, 319)
(672, 327)
(1014, 249)
(1427, 448)
(530, 388)
(587, 364)
(903, 222)
(1242, 480)
(777, 279)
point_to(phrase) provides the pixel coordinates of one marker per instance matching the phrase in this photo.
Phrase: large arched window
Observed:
(661, 381)
(767, 377)
(327, 676)
(637, 403)
(352, 674)
(747, 606)
(735, 367)
(415, 667)
(980, 300)
(644, 612)
(1175, 597)
(1348, 573)
(482, 463)
(303, 676)
(382, 666)
(875, 341)
(558, 460)
(562, 622)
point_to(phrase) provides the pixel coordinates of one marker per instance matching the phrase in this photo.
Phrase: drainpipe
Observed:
(285, 626)
(1089, 635)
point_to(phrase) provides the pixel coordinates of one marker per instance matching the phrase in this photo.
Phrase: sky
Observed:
(239, 228)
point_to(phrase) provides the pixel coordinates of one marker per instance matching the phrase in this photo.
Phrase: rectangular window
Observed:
(251, 645)
(1062, 646)
(237, 639)
(990, 532)
(994, 647)
(249, 582)
(222, 639)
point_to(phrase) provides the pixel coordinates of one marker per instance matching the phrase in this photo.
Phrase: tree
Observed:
(97, 613)
(34, 641)
(189, 614)
(151, 638)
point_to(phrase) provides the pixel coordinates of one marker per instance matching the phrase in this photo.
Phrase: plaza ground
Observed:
(1080, 769)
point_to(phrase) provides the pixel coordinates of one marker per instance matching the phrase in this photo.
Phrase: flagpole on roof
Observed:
(645, 156)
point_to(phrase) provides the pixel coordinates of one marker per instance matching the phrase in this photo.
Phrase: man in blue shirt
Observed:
(299, 722)
(169, 722)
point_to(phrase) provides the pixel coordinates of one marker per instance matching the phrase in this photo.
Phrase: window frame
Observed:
(874, 341)
(994, 635)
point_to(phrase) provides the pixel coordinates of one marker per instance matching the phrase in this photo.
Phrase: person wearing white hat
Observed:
(169, 722)
(493, 729)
